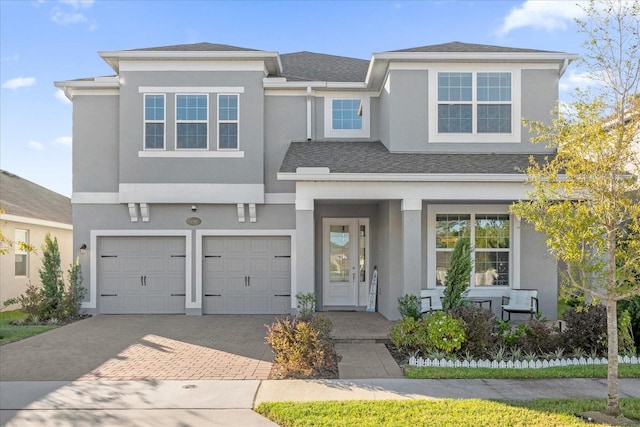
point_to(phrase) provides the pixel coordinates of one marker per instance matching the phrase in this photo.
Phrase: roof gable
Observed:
(311, 66)
(21, 197)
(195, 47)
(469, 48)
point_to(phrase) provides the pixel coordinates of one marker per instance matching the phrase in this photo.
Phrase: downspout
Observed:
(309, 98)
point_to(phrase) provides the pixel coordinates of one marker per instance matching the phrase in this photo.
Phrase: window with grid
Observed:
(227, 122)
(154, 122)
(474, 102)
(191, 121)
(346, 114)
(21, 255)
(489, 235)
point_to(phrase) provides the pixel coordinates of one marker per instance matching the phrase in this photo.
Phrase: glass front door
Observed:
(346, 269)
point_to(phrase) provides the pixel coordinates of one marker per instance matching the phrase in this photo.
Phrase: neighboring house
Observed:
(209, 178)
(29, 212)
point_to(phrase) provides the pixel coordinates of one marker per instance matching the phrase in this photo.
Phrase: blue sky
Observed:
(46, 41)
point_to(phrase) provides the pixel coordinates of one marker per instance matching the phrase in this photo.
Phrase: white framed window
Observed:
(192, 121)
(154, 124)
(21, 255)
(347, 116)
(228, 121)
(493, 241)
(474, 105)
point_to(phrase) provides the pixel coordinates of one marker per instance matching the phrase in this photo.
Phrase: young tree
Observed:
(585, 198)
(458, 275)
(51, 272)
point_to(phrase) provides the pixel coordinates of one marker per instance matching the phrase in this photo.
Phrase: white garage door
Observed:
(247, 275)
(141, 275)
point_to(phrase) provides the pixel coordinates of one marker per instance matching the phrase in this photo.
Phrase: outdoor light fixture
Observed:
(83, 249)
(194, 208)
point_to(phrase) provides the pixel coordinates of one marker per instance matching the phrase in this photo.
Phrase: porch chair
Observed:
(431, 300)
(520, 301)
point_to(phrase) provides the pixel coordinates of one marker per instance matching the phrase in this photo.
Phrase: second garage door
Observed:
(246, 275)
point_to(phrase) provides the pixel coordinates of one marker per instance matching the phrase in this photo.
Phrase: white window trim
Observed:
(514, 245)
(236, 121)
(190, 121)
(164, 122)
(516, 105)
(329, 132)
(18, 251)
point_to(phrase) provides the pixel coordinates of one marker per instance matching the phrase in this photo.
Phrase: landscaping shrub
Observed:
(410, 336)
(303, 348)
(409, 306)
(458, 274)
(586, 329)
(633, 307)
(306, 305)
(625, 337)
(481, 329)
(539, 338)
(444, 332)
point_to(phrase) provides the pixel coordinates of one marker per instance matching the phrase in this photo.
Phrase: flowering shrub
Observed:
(444, 332)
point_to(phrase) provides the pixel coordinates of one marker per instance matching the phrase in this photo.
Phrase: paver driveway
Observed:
(143, 347)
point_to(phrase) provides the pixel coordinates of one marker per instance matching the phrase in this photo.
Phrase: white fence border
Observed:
(534, 364)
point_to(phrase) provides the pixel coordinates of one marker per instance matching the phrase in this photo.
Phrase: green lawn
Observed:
(588, 371)
(445, 412)
(10, 333)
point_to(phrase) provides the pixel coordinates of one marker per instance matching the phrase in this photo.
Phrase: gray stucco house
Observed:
(210, 178)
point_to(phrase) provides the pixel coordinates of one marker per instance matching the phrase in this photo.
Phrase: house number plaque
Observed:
(194, 220)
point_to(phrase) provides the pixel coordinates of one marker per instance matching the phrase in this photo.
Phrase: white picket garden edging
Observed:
(534, 364)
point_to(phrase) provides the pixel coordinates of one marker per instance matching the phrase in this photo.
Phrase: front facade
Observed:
(28, 212)
(216, 179)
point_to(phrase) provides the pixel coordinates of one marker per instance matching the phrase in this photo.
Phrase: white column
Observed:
(412, 246)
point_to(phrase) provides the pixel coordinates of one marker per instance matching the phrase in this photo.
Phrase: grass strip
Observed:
(444, 412)
(10, 333)
(587, 371)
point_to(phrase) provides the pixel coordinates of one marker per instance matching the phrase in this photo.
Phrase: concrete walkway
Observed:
(366, 360)
(230, 403)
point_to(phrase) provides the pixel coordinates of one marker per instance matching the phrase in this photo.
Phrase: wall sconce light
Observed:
(194, 208)
(83, 249)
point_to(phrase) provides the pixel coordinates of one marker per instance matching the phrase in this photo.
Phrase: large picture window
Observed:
(489, 235)
(192, 122)
(154, 122)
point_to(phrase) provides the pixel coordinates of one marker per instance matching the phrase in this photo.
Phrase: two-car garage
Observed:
(147, 274)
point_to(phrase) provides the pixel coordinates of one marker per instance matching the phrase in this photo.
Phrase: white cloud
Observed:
(63, 141)
(19, 82)
(64, 18)
(78, 4)
(35, 146)
(60, 96)
(542, 15)
(575, 79)
(11, 58)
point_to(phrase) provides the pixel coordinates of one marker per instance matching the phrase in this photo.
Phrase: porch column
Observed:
(412, 246)
(305, 266)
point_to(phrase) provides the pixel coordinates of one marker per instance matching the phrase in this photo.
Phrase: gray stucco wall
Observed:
(408, 109)
(539, 270)
(286, 119)
(201, 170)
(539, 96)
(383, 114)
(389, 263)
(95, 143)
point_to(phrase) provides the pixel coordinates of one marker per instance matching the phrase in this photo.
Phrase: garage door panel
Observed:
(246, 261)
(140, 274)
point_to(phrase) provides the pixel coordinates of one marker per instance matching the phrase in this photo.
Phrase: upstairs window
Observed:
(192, 122)
(227, 122)
(346, 114)
(21, 255)
(154, 122)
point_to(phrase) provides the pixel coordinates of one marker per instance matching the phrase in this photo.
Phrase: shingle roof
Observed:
(310, 66)
(467, 47)
(373, 157)
(24, 198)
(195, 47)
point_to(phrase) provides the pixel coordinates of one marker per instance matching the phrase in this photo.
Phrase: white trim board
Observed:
(93, 258)
(191, 154)
(191, 193)
(35, 221)
(191, 89)
(200, 234)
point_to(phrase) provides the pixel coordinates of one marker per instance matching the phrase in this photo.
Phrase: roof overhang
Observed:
(324, 174)
(271, 59)
(98, 85)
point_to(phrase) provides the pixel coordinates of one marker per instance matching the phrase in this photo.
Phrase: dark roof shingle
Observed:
(373, 157)
(468, 48)
(310, 66)
(195, 47)
(24, 198)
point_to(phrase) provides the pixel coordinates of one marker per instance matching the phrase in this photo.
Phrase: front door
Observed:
(346, 263)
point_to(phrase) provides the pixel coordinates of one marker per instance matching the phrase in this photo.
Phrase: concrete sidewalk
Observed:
(230, 403)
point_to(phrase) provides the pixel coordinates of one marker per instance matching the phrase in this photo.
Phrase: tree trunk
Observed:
(613, 404)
